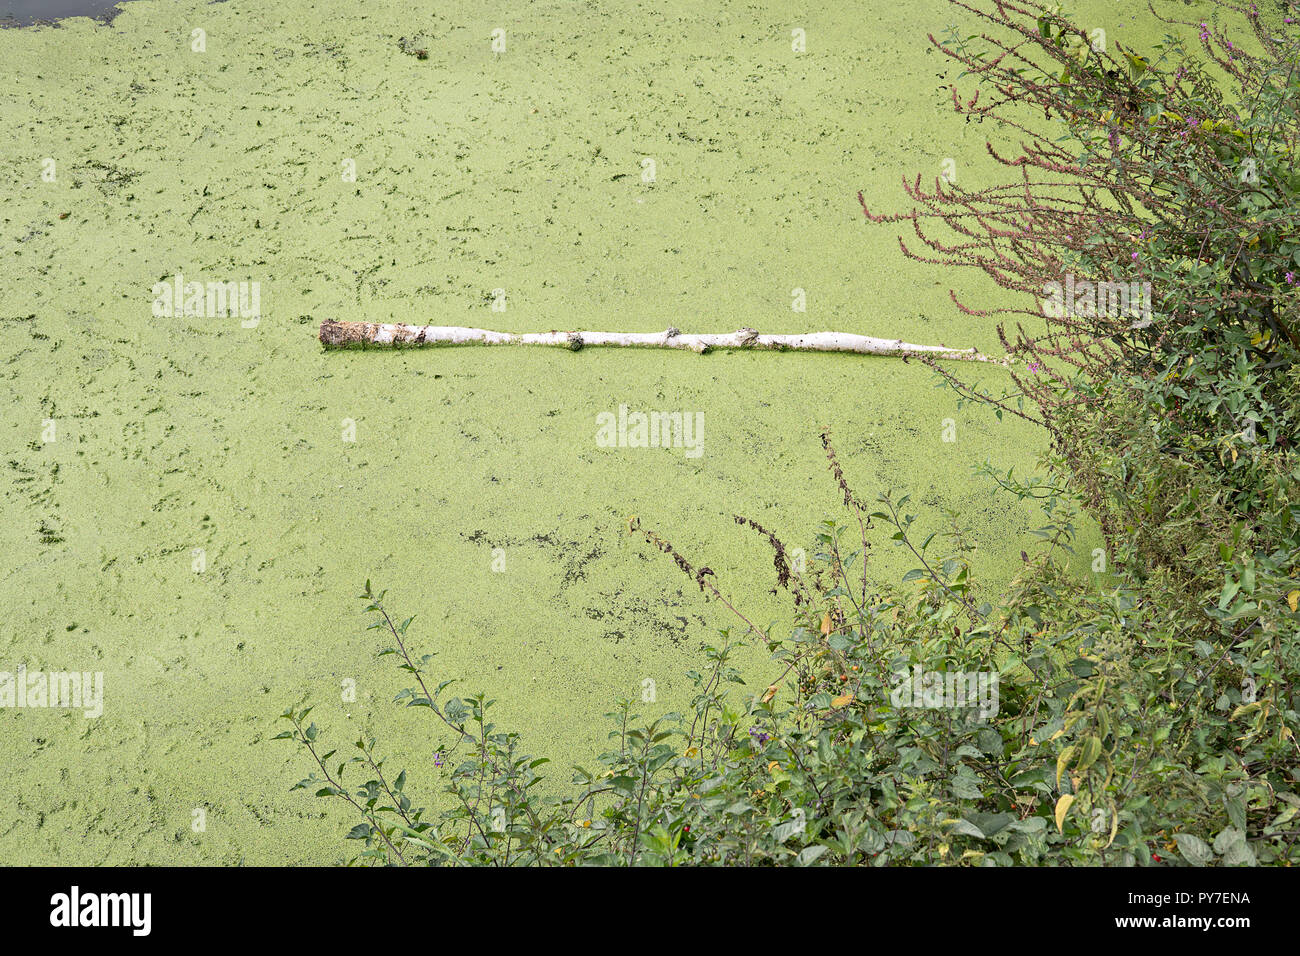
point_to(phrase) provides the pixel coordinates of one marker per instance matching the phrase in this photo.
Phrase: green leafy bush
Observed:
(1096, 738)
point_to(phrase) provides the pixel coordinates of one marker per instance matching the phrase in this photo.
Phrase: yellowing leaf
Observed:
(826, 623)
(841, 700)
(1062, 808)
(773, 767)
(1293, 600)
(1062, 761)
(769, 693)
(1114, 825)
(1136, 65)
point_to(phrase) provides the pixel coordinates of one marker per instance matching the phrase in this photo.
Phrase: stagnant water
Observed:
(191, 503)
(27, 12)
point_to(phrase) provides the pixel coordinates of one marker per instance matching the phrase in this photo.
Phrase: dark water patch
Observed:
(25, 13)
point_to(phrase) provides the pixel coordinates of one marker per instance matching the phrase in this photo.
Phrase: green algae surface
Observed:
(192, 502)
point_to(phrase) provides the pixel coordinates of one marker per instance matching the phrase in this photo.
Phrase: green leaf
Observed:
(1232, 845)
(1194, 850)
(810, 855)
(965, 785)
(966, 828)
(1089, 751)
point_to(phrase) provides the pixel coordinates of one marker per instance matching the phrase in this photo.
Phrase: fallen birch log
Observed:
(344, 334)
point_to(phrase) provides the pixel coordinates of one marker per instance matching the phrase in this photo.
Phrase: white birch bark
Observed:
(342, 334)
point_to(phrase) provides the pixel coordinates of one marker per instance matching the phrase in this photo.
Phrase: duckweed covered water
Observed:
(198, 527)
